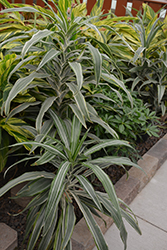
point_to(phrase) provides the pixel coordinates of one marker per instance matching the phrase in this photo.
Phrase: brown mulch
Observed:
(9, 207)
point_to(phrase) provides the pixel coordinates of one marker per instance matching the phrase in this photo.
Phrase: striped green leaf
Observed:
(62, 131)
(48, 238)
(63, 18)
(80, 100)
(103, 177)
(138, 53)
(75, 134)
(45, 158)
(78, 114)
(55, 194)
(38, 224)
(34, 187)
(90, 190)
(45, 106)
(51, 148)
(161, 91)
(79, 146)
(25, 177)
(102, 123)
(5, 3)
(109, 188)
(32, 214)
(93, 226)
(21, 63)
(23, 9)
(76, 67)
(97, 59)
(37, 201)
(19, 86)
(35, 39)
(69, 246)
(13, 38)
(46, 127)
(69, 225)
(20, 108)
(131, 221)
(107, 204)
(152, 33)
(47, 57)
(108, 160)
(115, 81)
(106, 143)
(58, 234)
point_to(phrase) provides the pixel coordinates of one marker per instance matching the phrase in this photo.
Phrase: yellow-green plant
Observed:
(58, 65)
(143, 63)
(13, 126)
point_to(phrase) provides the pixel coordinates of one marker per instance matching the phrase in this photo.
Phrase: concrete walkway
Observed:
(150, 207)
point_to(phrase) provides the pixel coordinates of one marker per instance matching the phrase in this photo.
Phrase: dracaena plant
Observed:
(51, 218)
(145, 69)
(150, 80)
(137, 43)
(148, 67)
(62, 67)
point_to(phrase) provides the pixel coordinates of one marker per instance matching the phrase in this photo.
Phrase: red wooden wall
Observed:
(120, 5)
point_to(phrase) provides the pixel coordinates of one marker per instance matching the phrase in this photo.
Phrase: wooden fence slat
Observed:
(51, 4)
(107, 6)
(120, 7)
(40, 3)
(155, 6)
(30, 2)
(90, 4)
(136, 5)
(18, 1)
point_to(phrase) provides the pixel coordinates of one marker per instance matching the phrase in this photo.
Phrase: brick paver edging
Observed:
(126, 190)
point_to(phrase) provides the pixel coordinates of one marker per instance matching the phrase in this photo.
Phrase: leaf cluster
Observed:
(62, 71)
(51, 211)
(131, 123)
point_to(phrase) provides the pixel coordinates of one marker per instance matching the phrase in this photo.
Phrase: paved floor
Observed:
(150, 206)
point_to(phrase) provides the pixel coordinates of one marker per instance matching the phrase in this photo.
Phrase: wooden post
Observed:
(40, 3)
(18, 1)
(107, 6)
(89, 6)
(156, 6)
(30, 2)
(136, 4)
(120, 8)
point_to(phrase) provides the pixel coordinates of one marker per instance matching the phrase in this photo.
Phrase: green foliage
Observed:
(150, 79)
(13, 126)
(65, 64)
(146, 39)
(60, 71)
(130, 123)
(51, 215)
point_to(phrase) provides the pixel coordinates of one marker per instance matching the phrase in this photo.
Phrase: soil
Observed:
(8, 207)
